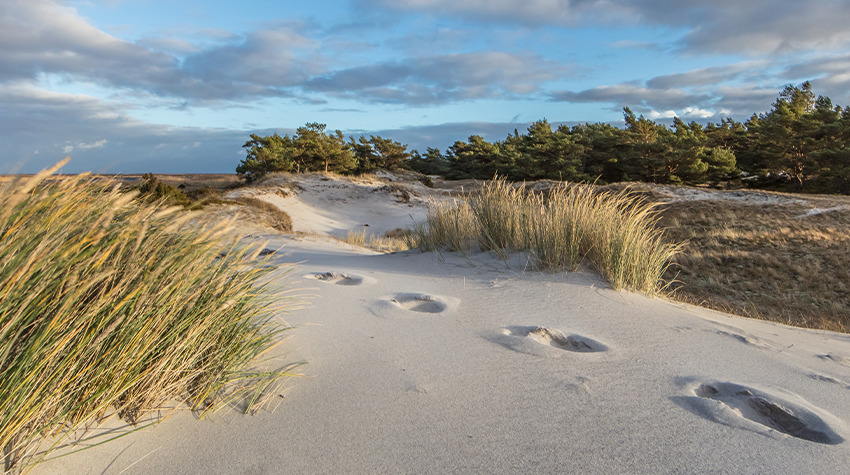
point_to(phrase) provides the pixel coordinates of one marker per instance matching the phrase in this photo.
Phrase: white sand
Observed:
(437, 363)
(335, 206)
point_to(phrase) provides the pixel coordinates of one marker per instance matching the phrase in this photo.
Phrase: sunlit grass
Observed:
(572, 225)
(108, 305)
(392, 241)
(764, 261)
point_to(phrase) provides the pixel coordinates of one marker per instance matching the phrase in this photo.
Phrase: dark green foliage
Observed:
(789, 132)
(271, 153)
(378, 153)
(432, 163)
(316, 151)
(546, 154)
(475, 158)
(801, 144)
(153, 190)
(310, 149)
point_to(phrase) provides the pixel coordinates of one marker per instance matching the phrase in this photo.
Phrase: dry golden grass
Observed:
(107, 305)
(762, 261)
(567, 226)
(392, 241)
(267, 214)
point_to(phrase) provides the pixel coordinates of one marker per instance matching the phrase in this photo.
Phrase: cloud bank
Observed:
(408, 58)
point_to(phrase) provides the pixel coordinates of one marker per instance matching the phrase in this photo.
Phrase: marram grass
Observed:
(609, 231)
(107, 305)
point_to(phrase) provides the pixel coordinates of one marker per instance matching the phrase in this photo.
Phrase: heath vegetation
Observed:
(774, 262)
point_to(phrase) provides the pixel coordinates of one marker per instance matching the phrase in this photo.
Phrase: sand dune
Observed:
(335, 206)
(440, 363)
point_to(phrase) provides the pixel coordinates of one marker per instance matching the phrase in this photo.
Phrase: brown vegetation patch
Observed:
(762, 261)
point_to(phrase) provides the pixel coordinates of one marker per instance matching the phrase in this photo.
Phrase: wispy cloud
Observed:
(633, 95)
(709, 76)
(441, 79)
(632, 44)
(722, 26)
(37, 128)
(737, 89)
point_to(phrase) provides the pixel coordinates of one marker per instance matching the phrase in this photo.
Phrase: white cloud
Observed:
(697, 112)
(83, 146)
(653, 114)
(89, 146)
(45, 37)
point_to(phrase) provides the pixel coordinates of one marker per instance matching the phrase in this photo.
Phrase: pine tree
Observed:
(316, 150)
(271, 153)
(788, 132)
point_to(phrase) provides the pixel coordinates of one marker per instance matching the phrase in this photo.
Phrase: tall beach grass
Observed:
(107, 305)
(571, 225)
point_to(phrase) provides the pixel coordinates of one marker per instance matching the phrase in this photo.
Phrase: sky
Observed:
(177, 86)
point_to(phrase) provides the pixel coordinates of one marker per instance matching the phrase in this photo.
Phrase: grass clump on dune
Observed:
(613, 233)
(392, 241)
(110, 305)
(267, 213)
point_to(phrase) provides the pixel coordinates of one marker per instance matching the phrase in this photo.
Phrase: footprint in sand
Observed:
(422, 303)
(738, 401)
(836, 358)
(828, 379)
(747, 339)
(529, 340)
(337, 279)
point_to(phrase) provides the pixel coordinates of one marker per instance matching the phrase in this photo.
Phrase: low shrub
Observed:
(153, 191)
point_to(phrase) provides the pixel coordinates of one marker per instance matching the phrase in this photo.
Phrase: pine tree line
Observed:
(802, 143)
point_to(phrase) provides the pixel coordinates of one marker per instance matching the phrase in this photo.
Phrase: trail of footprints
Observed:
(737, 401)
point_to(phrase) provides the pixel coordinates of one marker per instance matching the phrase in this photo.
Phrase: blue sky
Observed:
(127, 86)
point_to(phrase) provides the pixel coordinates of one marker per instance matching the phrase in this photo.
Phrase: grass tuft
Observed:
(612, 232)
(392, 241)
(107, 305)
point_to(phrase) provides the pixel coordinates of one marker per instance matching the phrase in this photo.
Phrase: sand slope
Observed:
(333, 206)
(439, 363)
